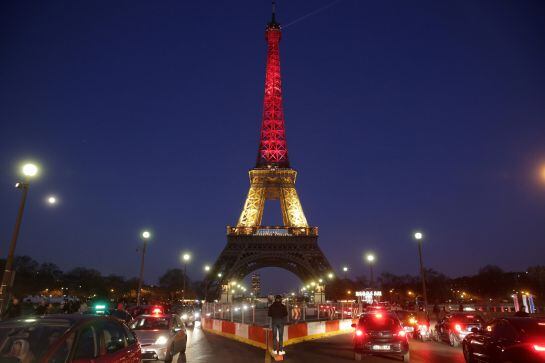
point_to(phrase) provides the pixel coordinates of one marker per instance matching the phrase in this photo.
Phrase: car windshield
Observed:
(467, 319)
(531, 327)
(150, 323)
(30, 338)
(379, 323)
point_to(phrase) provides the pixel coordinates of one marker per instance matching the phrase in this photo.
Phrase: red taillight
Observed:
(156, 311)
(539, 348)
(458, 327)
(359, 333)
(378, 315)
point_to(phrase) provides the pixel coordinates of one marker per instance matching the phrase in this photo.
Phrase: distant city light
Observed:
(345, 269)
(52, 200)
(206, 268)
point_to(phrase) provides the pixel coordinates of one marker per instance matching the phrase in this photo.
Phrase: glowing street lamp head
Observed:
(370, 258)
(345, 269)
(330, 275)
(418, 235)
(186, 257)
(146, 235)
(206, 268)
(219, 274)
(52, 200)
(29, 170)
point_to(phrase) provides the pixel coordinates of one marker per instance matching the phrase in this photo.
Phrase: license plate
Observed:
(381, 347)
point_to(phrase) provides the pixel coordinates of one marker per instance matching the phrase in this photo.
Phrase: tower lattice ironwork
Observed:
(294, 245)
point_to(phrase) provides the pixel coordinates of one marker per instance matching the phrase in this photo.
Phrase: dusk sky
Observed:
(399, 115)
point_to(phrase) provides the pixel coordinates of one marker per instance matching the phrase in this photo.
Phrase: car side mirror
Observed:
(353, 325)
(475, 330)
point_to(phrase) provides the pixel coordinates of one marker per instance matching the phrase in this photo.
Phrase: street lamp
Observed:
(29, 170)
(146, 235)
(206, 268)
(345, 270)
(185, 259)
(52, 200)
(371, 260)
(419, 237)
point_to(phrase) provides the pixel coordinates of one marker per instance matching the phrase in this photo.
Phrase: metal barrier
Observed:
(257, 314)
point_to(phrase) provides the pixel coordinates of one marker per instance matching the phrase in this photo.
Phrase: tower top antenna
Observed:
(273, 23)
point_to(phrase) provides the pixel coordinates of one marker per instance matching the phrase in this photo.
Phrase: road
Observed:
(209, 348)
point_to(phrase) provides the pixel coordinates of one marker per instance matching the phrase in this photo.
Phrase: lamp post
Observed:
(371, 259)
(185, 259)
(206, 269)
(345, 270)
(419, 237)
(29, 170)
(145, 236)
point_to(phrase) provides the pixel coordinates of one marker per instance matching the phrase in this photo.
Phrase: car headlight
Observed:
(184, 316)
(197, 315)
(162, 340)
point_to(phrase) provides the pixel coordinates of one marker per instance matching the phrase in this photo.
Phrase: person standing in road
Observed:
(278, 313)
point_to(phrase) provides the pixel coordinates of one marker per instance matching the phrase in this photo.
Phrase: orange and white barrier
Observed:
(293, 333)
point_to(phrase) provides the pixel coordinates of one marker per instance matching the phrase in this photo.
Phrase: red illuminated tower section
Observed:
(273, 149)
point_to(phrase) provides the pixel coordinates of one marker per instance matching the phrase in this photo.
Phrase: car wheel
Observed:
(358, 356)
(170, 354)
(406, 357)
(468, 356)
(453, 340)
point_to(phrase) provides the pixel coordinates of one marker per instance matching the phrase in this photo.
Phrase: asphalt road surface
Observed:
(209, 348)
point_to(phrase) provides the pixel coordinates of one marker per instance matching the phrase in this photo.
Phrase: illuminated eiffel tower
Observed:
(293, 246)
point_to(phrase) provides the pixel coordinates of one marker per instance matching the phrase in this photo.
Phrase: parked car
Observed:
(454, 327)
(68, 338)
(510, 339)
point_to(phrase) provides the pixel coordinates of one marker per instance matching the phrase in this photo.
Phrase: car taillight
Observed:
(458, 327)
(359, 332)
(539, 348)
(378, 315)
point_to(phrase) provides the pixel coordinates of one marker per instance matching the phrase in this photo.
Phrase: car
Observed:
(408, 321)
(380, 333)
(161, 336)
(60, 338)
(454, 327)
(189, 316)
(512, 339)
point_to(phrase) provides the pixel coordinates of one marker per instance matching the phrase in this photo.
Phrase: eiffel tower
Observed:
(294, 245)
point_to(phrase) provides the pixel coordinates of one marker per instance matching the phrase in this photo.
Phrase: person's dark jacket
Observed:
(278, 311)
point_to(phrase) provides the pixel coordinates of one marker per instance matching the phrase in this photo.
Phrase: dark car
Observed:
(68, 338)
(380, 333)
(454, 327)
(507, 340)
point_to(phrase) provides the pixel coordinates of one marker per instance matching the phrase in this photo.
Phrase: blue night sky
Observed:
(399, 115)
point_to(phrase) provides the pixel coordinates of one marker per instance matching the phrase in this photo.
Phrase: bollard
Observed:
(231, 310)
(304, 313)
(342, 310)
(319, 306)
(242, 317)
(253, 314)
